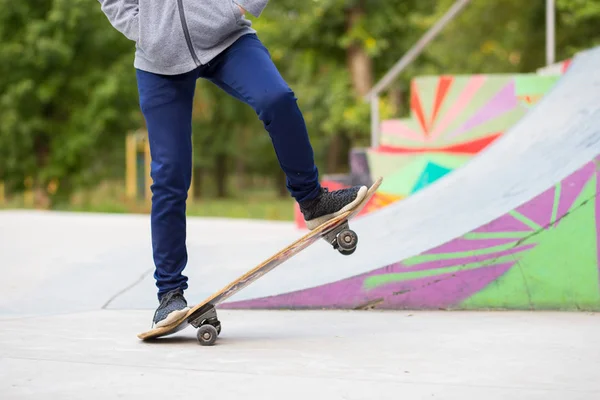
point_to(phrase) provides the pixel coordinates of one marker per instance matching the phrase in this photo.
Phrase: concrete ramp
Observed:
(513, 228)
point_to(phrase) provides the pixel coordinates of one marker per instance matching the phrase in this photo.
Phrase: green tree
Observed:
(577, 26)
(66, 97)
(332, 52)
(508, 36)
(68, 94)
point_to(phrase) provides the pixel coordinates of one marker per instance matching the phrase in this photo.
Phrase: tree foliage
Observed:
(68, 94)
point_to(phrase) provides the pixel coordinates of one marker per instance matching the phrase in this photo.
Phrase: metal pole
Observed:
(373, 95)
(417, 48)
(375, 121)
(550, 32)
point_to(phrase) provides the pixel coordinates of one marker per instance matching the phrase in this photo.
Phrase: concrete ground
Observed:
(76, 289)
(299, 355)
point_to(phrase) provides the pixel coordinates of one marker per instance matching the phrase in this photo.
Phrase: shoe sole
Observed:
(314, 223)
(173, 316)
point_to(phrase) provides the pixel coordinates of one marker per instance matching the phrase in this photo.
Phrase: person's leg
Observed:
(245, 70)
(166, 102)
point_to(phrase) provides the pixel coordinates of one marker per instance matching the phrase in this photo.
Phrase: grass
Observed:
(109, 197)
(249, 207)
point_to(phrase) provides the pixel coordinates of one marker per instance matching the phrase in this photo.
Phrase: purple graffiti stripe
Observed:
(334, 295)
(442, 290)
(462, 244)
(571, 188)
(506, 223)
(452, 262)
(438, 291)
(504, 101)
(350, 292)
(539, 209)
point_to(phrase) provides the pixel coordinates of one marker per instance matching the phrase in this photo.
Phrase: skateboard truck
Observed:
(209, 326)
(343, 239)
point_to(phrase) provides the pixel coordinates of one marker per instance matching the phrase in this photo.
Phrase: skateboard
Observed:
(203, 316)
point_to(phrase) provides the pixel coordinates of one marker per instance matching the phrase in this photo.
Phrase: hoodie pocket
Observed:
(211, 22)
(161, 40)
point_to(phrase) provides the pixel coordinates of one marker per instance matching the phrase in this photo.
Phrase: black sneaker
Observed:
(329, 205)
(172, 306)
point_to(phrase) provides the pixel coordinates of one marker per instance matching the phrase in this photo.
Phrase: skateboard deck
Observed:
(203, 315)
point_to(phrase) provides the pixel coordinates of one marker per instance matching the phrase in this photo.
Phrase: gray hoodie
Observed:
(176, 36)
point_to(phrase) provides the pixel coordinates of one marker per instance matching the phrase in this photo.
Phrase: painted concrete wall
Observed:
(453, 118)
(514, 228)
(541, 255)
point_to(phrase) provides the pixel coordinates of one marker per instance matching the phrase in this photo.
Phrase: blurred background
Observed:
(72, 136)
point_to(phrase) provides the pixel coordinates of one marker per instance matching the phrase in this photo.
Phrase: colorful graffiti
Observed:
(453, 118)
(542, 255)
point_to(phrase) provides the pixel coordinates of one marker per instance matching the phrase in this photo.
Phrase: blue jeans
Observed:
(246, 72)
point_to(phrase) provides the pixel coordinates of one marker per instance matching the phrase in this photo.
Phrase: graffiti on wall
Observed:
(453, 118)
(541, 255)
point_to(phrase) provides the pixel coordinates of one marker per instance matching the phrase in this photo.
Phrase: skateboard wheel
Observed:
(207, 334)
(346, 241)
(347, 252)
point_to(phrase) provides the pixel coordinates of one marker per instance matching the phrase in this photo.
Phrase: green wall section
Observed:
(560, 272)
(530, 85)
(399, 183)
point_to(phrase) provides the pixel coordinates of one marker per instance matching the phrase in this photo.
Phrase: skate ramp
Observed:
(515, 227)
